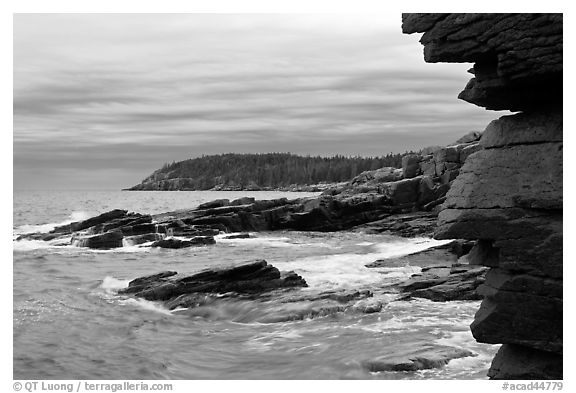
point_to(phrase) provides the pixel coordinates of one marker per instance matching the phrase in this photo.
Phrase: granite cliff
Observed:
(508, 194)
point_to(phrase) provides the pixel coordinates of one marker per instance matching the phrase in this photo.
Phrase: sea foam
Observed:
(43, 228)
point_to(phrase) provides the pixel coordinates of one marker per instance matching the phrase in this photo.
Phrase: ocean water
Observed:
(70, 323)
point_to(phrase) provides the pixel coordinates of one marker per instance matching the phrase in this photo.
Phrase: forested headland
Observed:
(261, 171)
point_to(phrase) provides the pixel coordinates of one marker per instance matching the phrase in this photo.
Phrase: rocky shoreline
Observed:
(499, 191)
(403, 202)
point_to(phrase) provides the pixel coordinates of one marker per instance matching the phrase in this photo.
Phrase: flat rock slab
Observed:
(405, 224)
(446, 283)
(445, 254)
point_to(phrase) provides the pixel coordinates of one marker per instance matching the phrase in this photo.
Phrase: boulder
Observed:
(214, 204)
(426, 193)
(97, 220)
(402, 191)
(101, 241)
(122, 222)
(368, 306)
(428, 166)
(520, 309)
(447, 154)
(472, 136)
(381, 175)
(253, 277)
(518, 362)
(242, 201)
(523, 128)
(519, 176)
(448, 176)
(429, 150)
(410, 165)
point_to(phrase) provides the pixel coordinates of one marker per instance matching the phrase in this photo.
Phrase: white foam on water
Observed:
(110, 284)
(31, 245)
(457, 339)
(146, 305)
(128, 243)
(63, 244)
(277, 242)
(43, 228)
(402, 247)
(464, 339)
(349, 270)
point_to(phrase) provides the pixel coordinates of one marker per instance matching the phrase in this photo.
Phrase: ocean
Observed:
(70, 323)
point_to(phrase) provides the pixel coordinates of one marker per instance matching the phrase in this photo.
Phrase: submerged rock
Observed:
(421, 359)
(238, 236)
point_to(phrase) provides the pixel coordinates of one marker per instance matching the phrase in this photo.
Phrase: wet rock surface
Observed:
(443, 276)
(248, 278)
(446, 283)
(421, 359)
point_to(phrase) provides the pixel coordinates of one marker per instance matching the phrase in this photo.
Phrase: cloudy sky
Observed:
(102, 100)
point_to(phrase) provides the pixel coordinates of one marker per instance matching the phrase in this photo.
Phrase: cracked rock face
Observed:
(518, 57)
(508, 194)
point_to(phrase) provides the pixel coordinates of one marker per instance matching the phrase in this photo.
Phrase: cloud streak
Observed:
(126, 93)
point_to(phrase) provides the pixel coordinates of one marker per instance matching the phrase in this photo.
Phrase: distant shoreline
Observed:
(291, 188)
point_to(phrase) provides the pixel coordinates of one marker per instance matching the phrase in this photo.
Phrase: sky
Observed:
(102, 100)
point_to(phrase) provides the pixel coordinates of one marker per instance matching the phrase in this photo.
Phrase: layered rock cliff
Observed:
(508, 195)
